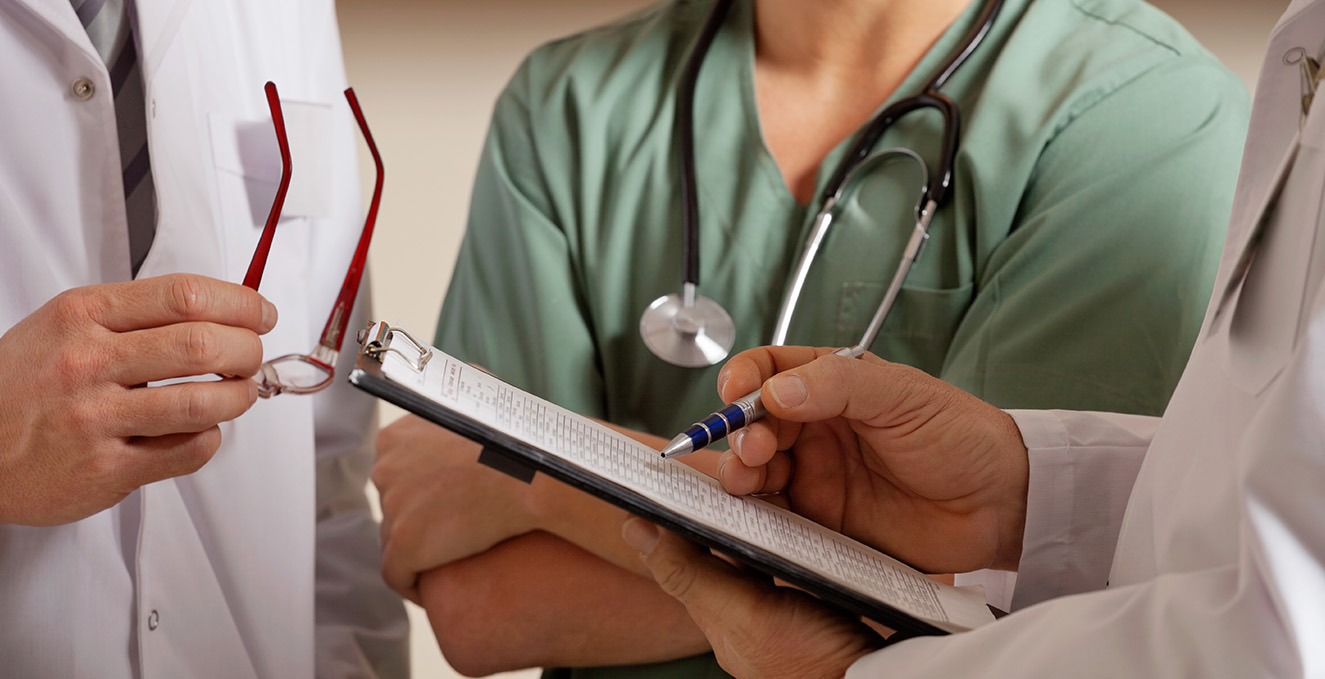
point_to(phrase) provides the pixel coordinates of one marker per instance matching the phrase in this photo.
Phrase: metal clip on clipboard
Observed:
(376, 341)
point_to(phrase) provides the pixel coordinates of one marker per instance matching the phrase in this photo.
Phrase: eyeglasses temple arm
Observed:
(334, 332)
(259, 261)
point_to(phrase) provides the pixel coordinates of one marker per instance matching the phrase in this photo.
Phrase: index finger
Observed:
(748, 370)
(177, 298)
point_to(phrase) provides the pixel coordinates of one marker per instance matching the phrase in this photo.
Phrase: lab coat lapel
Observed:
(1280, 255)
(1263, 324)
(1269, 153)
(158, 25)
(1274, 122)
(59, 15)
(1246, 234)
(187, 236)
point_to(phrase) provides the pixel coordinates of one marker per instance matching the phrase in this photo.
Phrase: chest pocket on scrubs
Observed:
(863, 255)
(1265, 323)
(919, 329)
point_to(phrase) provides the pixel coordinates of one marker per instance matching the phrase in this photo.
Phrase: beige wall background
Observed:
(427, 73)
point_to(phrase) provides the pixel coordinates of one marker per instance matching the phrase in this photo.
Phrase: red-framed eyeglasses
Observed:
(312, 372)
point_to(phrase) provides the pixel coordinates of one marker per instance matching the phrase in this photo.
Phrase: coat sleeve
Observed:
(1257, 616)
(361, 630)
(1082, 470)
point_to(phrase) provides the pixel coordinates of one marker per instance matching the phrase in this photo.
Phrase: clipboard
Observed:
(522, 434)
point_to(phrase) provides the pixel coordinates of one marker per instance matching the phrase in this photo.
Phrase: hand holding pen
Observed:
(853, 444)
(732, 417)
(750, 408)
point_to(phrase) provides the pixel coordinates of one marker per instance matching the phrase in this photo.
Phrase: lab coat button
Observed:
(153, 620)
(83, 88)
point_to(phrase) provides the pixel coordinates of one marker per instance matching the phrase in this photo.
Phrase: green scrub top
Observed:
(1069, 269)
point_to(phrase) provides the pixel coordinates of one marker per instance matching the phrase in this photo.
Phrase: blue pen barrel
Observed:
(735, 417)
(699, 437)
(716, 427)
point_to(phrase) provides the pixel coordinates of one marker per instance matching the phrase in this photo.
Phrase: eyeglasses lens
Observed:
(294, 373)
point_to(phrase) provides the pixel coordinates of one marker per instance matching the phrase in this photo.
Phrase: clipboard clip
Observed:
(376, 340)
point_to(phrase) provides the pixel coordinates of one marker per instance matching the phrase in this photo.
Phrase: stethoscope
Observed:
(693, 331)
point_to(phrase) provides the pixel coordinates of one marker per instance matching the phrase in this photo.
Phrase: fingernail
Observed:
(788, 390)
(722, 381)
(735, 441)
(640, 534)
(252, 392)
(268, 315)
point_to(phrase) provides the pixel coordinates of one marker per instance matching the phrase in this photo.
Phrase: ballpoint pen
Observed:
(731, 417)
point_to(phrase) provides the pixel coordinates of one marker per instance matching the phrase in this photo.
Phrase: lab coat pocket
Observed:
(1265, 319)
(248, 148)
(248, 171)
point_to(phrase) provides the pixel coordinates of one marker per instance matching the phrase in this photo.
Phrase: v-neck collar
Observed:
(739, 28)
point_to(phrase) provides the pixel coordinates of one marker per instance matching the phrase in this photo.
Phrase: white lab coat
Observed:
(212, 575)
(1197, 541)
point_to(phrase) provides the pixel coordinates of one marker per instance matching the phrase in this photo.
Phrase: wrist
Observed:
(553, 507)
(539, 503)
(1012, 517)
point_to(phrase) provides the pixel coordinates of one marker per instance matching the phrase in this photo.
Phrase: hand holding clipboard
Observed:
(520, 432)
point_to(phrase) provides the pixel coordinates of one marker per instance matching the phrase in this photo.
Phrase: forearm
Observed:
(537, 600)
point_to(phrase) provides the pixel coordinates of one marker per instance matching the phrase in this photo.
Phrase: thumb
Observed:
(868, 389)
(755, 628)
(705, 584)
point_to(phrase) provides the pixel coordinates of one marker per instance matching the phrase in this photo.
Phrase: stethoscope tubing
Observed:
(685, 124)
(935, 188)
(938, 185)
(800, 273)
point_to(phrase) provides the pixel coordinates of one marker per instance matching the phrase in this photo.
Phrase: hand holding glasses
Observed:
(312, 372)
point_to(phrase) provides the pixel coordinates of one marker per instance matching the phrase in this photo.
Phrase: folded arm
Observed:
(538, 601)
(514, 574)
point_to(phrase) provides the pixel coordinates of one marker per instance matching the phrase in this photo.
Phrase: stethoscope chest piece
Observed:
(691, 335)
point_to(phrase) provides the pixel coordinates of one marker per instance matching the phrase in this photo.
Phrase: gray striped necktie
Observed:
(108, 26)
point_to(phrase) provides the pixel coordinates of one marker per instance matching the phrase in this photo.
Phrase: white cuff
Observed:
(1082, 469)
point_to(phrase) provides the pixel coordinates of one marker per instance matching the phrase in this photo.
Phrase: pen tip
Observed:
(679, 446)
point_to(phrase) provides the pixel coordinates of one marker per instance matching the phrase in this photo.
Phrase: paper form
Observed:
(606, 453)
